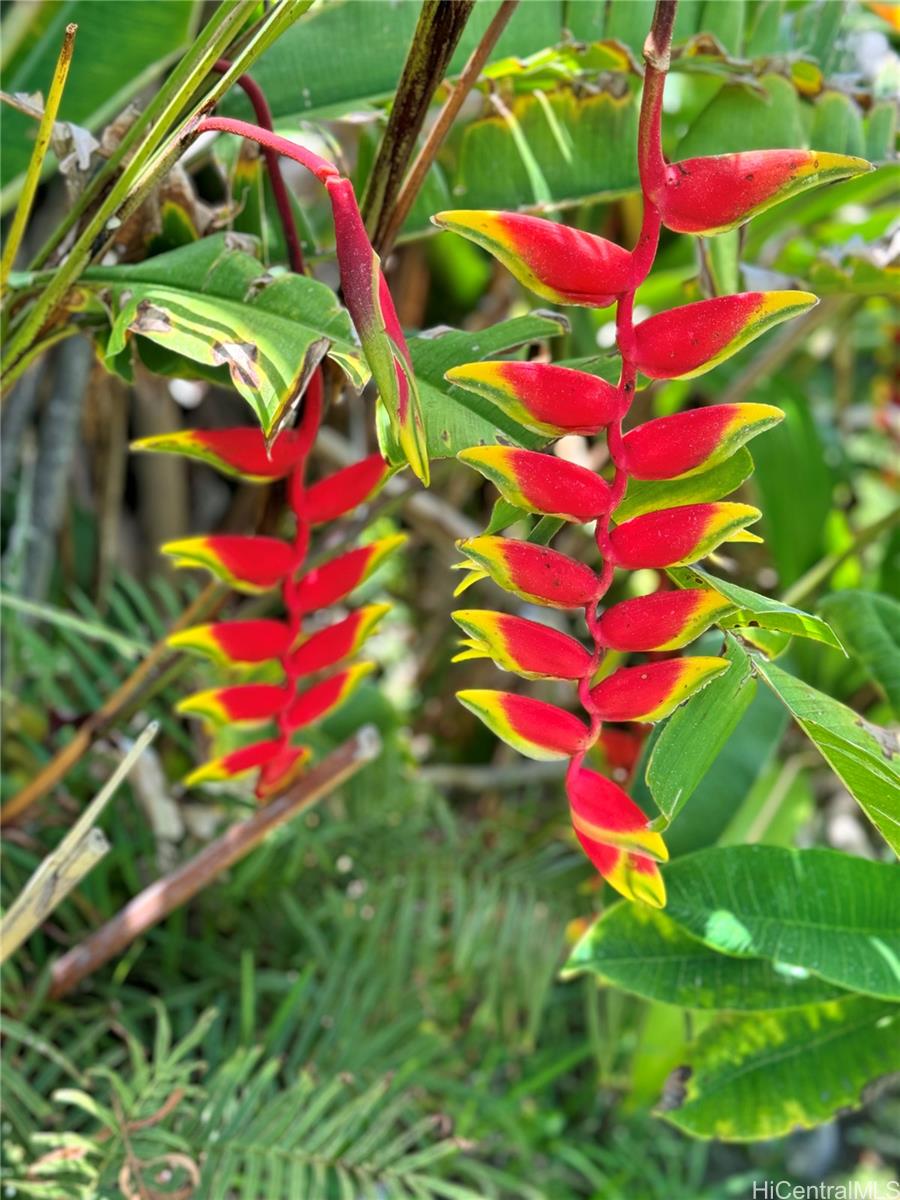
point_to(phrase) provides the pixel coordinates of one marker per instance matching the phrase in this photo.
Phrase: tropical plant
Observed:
(381, 968)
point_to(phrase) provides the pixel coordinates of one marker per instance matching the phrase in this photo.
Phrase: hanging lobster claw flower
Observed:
(673, 537)
(343, 491)
(602, 812)
(535, 729)
(564, 265)
(540, 483)
(526, 647)
(241, 452)
(248, 563)
(663, 621)
(694, 440)
(653, 690)
(634, 876)
(547, 399)
(372, 309)
(281, 770)
(691, 340)
(323, 586)
(316, 651)
(247, 702)
(319, 701)
(228, 642)
(712, 195)
(535, 573)
(238, 762)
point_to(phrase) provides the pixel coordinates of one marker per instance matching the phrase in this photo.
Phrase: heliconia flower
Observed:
(635, 876)
(673, 537)
(662, 621)
(653, 690)
(602, 812)
(534, 728)
(711, 195)
(341, 492)
(691, 340)
(241, 451)
(533, 572)
(316, 651)
(244, 702)
(548, 399)
(235, 641)
(370, 305)
(246, 562)
(335, 579)
(693, 440)
(238, 762)
(323, 698)
(621, 748)
(541, 483)
(564, 265)
(281, 770)
(528, 648)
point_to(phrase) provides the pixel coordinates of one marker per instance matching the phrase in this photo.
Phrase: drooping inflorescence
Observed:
(570, 266)
(256, 564)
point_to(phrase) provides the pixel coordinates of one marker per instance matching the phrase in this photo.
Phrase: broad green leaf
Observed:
(869, 626)
(455, 418)
(754, 609)
(837, 125)
(817, 910)
(647, 495)
(213, 304)
(347, 55)
(764, 1076)
(865, 757)
(740, 118)
(734, 773)
(642, 950)
(105, 72)
(694, 735)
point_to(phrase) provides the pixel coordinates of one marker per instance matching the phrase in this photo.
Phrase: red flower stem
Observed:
(256, 96)
(651, 168)
(320, 167)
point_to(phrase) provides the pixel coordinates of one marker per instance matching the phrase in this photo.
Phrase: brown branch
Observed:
(439, 28)
(155, 902)
(658, 46)
(210, 599)
(433, 142)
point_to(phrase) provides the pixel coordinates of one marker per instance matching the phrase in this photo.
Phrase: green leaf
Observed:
(213, 304)
(743, 118)
(694, 735)
(347, 55)
(100, 83)
(642, 950)
(869, 626)
(767, 1075)
(865, 757)
(754, 609)
(647, 495)
(818, 910)
(455, 418)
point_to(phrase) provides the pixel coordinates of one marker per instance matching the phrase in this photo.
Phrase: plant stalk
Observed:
(38, 154)
(155, 902)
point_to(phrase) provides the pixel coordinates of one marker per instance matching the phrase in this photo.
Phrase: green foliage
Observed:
(869, 626)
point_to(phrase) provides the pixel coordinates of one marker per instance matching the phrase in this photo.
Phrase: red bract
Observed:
(689, 341)
(550, 400)
(573, 267)
(345, 490)
(241, 452)
(557, 262)
(710, 195)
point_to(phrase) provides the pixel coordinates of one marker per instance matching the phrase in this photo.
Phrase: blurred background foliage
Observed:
(370, 1003)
